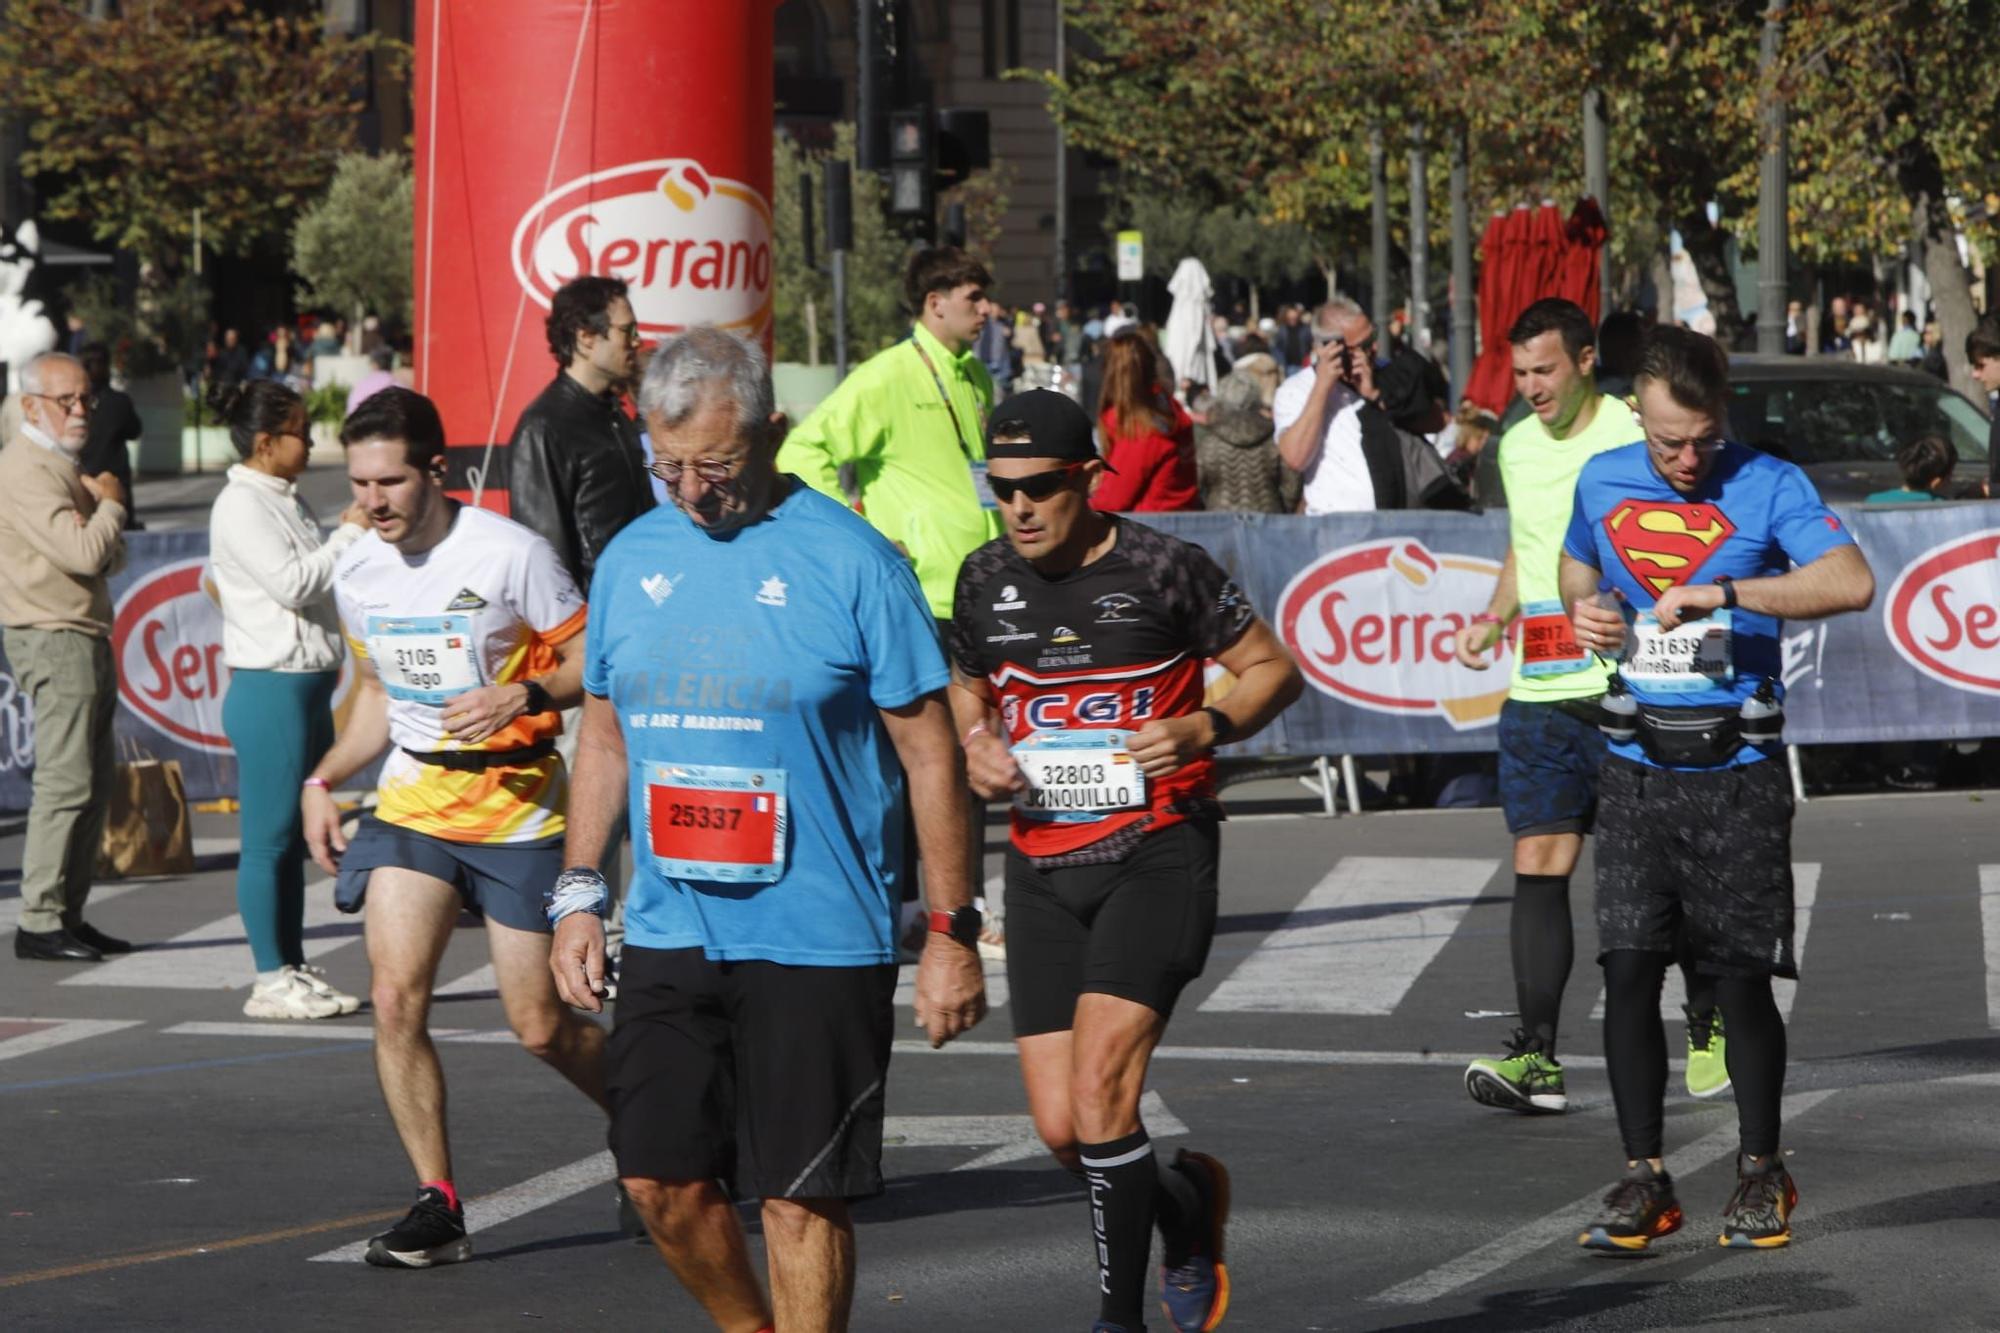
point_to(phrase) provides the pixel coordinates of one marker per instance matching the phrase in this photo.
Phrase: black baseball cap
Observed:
(1053, 424)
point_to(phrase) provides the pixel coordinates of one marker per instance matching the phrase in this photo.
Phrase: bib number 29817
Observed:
(716, 823)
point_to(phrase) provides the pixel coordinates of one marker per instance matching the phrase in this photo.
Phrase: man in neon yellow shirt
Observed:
(903, 437)
(1550, 745)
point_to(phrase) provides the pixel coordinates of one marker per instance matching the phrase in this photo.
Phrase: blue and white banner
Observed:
(1369, 603)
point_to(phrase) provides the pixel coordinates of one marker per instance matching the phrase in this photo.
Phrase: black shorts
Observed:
(1137, 928)
(503, 882)
(1549, 759)
(1708, 853)
(764, 1076)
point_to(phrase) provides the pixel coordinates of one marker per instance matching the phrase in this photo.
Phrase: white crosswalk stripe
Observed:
(215, 956)
(1805, 892)
(1989, 921)
(1359, 939)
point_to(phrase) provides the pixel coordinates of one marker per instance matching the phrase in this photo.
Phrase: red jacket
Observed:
(1155, 469)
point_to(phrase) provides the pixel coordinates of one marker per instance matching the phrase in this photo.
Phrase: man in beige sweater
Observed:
(61, 533)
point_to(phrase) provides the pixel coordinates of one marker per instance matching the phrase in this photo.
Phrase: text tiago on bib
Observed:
(1078, 777)
(1548, 643)
(717, 823)
(1693, 655)
(425, 659)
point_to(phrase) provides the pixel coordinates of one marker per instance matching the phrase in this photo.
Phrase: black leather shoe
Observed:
(98, 940)
(53, 946)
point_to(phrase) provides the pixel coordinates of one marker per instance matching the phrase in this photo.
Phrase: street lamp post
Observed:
(1773, 241)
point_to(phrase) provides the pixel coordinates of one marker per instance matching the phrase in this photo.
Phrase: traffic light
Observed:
(912, 164)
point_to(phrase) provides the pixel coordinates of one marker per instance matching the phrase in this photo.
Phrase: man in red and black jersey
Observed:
(1078, 643)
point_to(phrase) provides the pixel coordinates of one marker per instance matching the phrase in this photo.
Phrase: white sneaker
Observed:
(315, 977)
(993, 939)
(289, 997)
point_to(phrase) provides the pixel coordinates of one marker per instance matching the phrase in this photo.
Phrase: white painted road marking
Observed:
(1566, 1222)
(1989, 920)
(10, 909)
(1390, 917)
(483, 1214)
(1805, 892)
(58, 1032)
(215, 956)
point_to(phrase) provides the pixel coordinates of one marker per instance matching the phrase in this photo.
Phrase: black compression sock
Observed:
(1124, 1179)
(1544, 951)
(1178, 1207)
(1756, 1058)
(1635, 1047)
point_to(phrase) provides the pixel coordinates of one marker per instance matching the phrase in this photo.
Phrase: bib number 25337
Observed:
(716, 823)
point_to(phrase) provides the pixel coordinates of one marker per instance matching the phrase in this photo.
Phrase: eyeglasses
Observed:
(68, 402)
(710, 470)
(629, 332)
(1038, 487)
(1671, 448)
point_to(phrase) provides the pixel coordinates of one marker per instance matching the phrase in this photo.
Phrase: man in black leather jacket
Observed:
(576, 473)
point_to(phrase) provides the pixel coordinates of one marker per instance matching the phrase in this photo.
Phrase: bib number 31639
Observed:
(1693, 655)
(716, 823)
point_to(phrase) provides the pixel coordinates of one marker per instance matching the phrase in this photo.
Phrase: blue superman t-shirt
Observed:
(747, 672)
(1753, 516)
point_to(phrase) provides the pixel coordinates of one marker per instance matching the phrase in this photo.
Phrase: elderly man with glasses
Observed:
(61, 533)
(1317, 417)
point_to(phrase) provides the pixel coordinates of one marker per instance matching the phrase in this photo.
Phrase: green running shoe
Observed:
(1526, 1081)
(1707, 1070)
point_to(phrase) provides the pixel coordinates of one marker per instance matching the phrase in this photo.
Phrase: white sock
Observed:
(277, 978)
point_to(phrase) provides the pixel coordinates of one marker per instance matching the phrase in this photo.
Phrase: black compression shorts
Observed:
(1137, 928)
(1708, 852)
(764, 1075)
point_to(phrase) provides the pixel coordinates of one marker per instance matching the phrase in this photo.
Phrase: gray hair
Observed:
(31, 374)
(1338, 313)
(685, 372)
(1240, 391)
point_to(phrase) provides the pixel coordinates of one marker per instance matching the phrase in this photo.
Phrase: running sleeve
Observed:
(898, 636)
(543, 594)
(1804, 527)
(1213, 610)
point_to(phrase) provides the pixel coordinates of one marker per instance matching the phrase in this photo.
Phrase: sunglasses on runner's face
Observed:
(1037, 487)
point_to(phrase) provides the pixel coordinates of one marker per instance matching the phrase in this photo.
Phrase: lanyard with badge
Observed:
(980, 486)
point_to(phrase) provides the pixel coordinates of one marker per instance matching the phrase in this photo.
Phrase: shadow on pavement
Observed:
(1242, 922)
(938, 1192)
(1747, 1300)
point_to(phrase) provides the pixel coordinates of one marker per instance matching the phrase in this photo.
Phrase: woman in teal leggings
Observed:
(273, 577)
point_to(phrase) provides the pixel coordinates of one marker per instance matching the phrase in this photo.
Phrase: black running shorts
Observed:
(1707, 851)
(762, 1075)
(502, 881)
(1137, 928)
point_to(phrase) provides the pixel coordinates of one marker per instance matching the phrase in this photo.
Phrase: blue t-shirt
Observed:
(1753, 516)
(747, 672)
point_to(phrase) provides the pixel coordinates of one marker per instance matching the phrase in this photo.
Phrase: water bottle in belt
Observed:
(1618, 712)
(1762, 717)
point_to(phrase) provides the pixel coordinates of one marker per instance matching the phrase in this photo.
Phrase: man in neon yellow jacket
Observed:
(903, 439)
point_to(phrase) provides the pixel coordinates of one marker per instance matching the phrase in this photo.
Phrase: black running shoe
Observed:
(1759, 1215)
(433, 1232)
(1639, 1210)
(1194, 1287)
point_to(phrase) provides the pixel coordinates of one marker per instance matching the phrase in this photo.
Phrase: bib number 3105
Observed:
(424, 659)
(716, 823)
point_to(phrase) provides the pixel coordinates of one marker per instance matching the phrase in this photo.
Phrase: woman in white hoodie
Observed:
(281, 639)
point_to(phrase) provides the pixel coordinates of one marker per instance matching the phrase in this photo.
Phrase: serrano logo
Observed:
(1663, 544)
(1375, 626)
(1943, 612)
(694, 247)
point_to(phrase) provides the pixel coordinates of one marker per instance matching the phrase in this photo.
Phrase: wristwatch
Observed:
(538, 698)
(1224, 727)
(962, 925)
(1728, 586)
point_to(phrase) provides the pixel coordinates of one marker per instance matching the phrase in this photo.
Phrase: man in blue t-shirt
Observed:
(1685, 555)
(761, 674)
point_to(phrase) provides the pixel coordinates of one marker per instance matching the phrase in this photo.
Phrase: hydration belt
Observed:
(478, 761)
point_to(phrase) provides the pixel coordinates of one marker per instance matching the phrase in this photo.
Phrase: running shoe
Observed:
(289, 997)
(315, 977)
(1526, 1080)
(1639, 1210)
(1759, 1215)
(629, 1221)
(433, 1232)
(1707, 1071)
(1195, 1291)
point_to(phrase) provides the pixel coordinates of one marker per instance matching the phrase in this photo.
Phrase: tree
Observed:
(353, 246)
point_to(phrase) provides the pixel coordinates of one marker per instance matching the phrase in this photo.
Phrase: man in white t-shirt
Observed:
(1317, 412)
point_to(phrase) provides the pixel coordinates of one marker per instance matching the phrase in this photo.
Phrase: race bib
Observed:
(707, 821)
(1694, 655)
(1078, 777)
(1548, 643)
(982, 487)
(424, 659)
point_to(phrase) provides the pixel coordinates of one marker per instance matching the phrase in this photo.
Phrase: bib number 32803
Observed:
(1078, 777)
(716, 823)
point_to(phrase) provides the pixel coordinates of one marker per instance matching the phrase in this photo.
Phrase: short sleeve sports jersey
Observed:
(1754, 516)
(748, 673)
(485, 606)
(1539, 473)
(1079, 661)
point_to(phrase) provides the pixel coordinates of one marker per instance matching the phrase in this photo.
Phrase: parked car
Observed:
(1842, 421)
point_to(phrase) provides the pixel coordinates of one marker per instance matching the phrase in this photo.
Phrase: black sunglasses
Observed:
(1038, 487)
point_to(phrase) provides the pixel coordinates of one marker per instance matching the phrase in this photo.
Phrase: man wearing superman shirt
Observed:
(1685, 555)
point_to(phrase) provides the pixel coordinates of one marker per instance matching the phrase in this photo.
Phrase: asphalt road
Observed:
(166, 1163)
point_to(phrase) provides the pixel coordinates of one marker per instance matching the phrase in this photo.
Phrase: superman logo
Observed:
(1663, 545)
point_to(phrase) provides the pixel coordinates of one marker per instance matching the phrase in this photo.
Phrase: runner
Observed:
(761, 672)
(467, 636)
(1550, 747)
(1685, 555)
(1079, 641)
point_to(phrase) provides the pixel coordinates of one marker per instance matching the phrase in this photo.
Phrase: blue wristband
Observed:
(578, 889)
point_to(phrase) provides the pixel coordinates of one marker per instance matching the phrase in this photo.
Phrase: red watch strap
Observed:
(940, 923)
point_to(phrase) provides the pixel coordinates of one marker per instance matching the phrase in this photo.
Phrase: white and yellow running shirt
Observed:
(485, 606)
